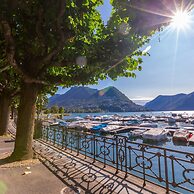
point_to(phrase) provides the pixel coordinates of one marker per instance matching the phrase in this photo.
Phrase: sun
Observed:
(181, 20)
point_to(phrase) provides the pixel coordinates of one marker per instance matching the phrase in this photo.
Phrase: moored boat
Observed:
(109, 128)
(148, 124)
(171, 120)
(191, 140)
(115, 123)
(97, 128)
(133, 122)
(182, 135)
(74, 125)
(137, 132)
(172, 127)
(155, 134)
(190, 128)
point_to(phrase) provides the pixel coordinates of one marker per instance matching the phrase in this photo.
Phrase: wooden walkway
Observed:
(81, 173)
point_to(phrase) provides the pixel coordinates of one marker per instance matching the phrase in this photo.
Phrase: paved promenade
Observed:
(13, 179)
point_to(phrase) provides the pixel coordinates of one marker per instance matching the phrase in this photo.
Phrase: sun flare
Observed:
(181, 20)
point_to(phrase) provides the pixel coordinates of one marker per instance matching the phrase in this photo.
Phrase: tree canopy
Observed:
(65, 42)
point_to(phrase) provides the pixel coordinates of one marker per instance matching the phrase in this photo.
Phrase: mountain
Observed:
(80, 93)
(76, 95)
(176, 102)
(85, 99)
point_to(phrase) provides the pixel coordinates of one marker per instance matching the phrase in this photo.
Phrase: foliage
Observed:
(54, 109)
(66, 42)
(47, 111)
(9, 79)
(61, 110)
(41, 103)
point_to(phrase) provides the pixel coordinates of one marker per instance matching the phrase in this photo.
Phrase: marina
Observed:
(158, 163)
(161, 127)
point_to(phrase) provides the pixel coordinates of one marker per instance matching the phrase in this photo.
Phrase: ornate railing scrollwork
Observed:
(172, 169)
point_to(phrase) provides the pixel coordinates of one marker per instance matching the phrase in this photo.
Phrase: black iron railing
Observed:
(171, 169)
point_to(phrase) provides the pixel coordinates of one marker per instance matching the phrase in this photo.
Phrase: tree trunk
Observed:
(12, 112)
(4, 113)
(25, 122)
(38, 129)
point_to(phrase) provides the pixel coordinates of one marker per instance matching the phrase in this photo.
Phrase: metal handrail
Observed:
(169, 168)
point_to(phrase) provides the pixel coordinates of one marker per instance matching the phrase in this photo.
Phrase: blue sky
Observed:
(169, 69)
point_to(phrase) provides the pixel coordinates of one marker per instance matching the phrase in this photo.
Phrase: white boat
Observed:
(63, 124)
(88, 117)
(106, 117)
(133, 122)
(192, 121)
(181, 135)
(155, 134)
(54, 124)
(97, 118)
(171, 120)
(172, 127)
(115, 123)
(190, 128)
(87, 126)
(109, 128)
(74, 124)
(149, 125)
(78, 118)
(137, 132)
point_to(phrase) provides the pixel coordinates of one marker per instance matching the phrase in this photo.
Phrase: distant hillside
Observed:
(172, 103)
(85, 99)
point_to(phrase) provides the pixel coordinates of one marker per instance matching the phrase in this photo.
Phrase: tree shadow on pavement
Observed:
(82, 173)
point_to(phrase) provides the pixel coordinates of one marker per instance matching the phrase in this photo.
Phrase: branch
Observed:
(63, 63)
(38, 24)
(10, 51)
(10, 46)
(119, 62)
(1, 87)
(46, 61)
(4, 69)
(15, 93)
(60, 32)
